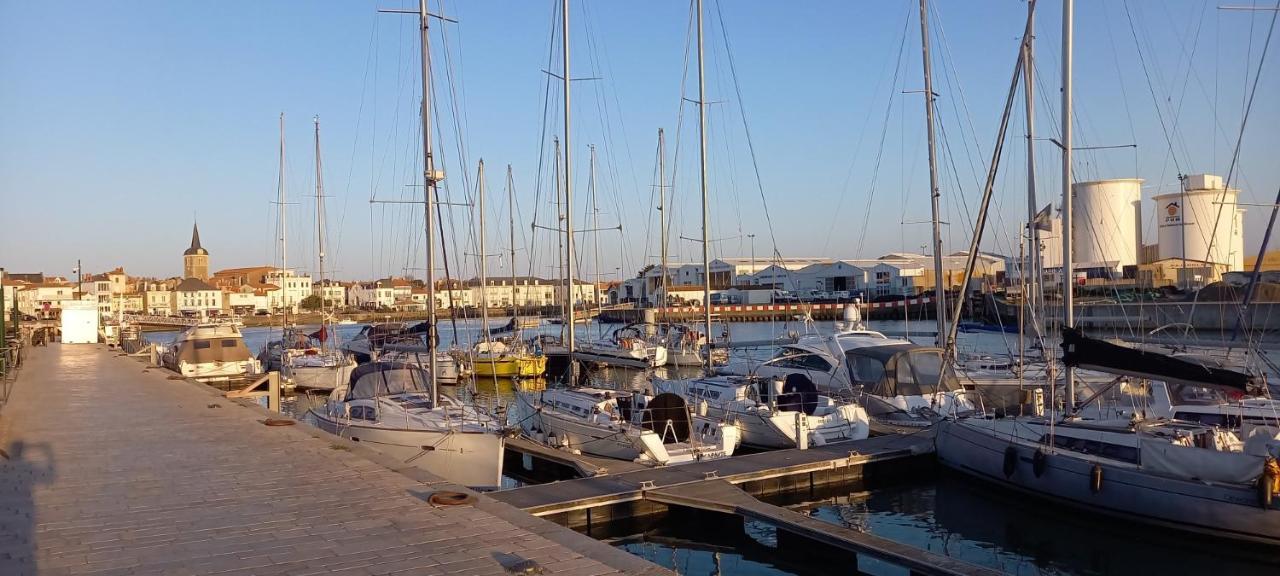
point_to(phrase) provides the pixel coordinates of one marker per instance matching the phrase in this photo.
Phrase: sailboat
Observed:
(495, 357)
(1169, 473)
(617, 424)
(400, 409)
(315, 362)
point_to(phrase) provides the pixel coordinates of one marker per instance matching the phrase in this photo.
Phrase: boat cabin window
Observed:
(801, 360)
(201, 344)
(363, 413)
(919, 373)
(702, 392)
(1095, 448)
(866, 370)
(1196, 395)
(229, 343)
(384, 379)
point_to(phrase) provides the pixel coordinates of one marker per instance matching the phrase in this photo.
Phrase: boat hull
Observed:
(472, 459)
(318, 377)
(1125, 492)
(528, 367)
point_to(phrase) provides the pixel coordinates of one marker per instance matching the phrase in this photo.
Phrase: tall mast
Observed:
(1031, 267)
(511, 219)
(1068, 273)
(560, 252)
(429, 178)
(568, 184)
(706, 212)
(595, 238)
(939, 288)
(662, 213)
(283, 229)
(320, 220)
(484, 258)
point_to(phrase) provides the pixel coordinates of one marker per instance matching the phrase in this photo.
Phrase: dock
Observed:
(112, 467)
(725, 488)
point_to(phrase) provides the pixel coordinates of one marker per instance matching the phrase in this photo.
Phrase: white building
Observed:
(371, 295)
(97, 289)
(1202, 222)
(195, 297)
(890, 278)
(332, 292)
(294, 288)
(157, 299)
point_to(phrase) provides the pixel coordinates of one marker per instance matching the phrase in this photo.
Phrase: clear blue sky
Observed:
(122, 121)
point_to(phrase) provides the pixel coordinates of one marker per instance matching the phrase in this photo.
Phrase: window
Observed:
(363, 413)
(202, 344)
(1096, 448)
(882, 277)
(229, 343)
(865, 369)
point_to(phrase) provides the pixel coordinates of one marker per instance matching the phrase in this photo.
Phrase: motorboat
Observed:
(391, 407)
(210, 352)
(1176, 474)
(655, 430)
(786, 413)
(506, 360)
(902, 385)
(687, 346)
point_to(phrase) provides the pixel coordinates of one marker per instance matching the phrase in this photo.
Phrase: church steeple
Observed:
(195, 260)
(195, 248)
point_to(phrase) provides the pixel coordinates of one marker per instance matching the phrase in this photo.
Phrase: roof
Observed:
(238, 271)
(196, 248)
(193, 285)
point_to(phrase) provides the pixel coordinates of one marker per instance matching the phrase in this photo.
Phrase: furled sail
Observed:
(1081, 351)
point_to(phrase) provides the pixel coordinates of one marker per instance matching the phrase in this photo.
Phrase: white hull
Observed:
(655, 357)
(469, 458)
(318, 377)
(215, 371)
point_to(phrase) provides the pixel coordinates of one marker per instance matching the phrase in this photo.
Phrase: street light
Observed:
(754, 280)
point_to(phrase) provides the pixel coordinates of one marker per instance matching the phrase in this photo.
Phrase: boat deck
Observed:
(111, 467)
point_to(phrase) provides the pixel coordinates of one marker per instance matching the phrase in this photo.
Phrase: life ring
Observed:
(1010, 461)
(1095, 479)
(450, 498)
(1038, 462)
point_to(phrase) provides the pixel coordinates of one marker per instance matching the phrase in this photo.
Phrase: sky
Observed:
(123, 122)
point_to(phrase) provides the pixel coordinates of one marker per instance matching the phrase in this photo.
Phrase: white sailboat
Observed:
(400, 409)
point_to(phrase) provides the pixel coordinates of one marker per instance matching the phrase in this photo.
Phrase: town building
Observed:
(195, 297)
(332, 292)
(294, 288)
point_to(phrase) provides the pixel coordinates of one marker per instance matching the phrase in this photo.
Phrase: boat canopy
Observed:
(899, 370)
(386, 378)
(229, 348)
(1081, 351)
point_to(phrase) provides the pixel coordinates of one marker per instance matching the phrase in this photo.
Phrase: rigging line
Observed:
(1142, 59)
(675, 158)
(857, 148)
(733, 70)
(1244, 121)
(355, 144)
(542, 138)
(1124, 92)
(884, 132)
(951, 77)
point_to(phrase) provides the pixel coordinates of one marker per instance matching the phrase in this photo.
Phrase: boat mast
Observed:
(662, 214)
(1030, 291)
(320, 227)
(1068, 282)
(284, 237)
(484, 260)
(706, 213)
(568, 184)
(564, 309)
(939, 285)
(511, 219)
(429, 177)
(595, 238)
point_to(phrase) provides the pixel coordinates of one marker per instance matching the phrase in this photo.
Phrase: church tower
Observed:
(195, 261)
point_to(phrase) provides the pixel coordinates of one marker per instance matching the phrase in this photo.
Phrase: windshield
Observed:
(387, 381)
(920, 372)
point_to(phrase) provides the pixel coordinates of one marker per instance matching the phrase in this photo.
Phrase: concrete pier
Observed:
(114, 468)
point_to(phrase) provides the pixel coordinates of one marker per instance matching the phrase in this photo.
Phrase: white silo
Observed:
(1202, 222)
(1104, 218)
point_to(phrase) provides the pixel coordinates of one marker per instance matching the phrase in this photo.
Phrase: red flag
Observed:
(322, 334)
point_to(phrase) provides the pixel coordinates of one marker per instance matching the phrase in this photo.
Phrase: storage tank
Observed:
(1187, 222)
(1104, 219)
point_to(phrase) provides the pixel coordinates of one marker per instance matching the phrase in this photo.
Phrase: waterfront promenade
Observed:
(111, 467)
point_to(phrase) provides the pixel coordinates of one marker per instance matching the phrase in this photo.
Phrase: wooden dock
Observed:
(584, 465)
(717, 487)
(110, 467)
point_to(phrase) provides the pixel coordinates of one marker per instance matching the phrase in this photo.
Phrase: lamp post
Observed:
(753, 258)
(79, 279)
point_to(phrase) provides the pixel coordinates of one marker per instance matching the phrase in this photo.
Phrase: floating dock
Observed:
(111, 467)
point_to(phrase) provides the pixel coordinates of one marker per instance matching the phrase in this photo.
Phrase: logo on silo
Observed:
(1173, 213)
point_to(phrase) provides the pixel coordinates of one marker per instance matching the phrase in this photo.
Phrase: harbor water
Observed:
(942, 513)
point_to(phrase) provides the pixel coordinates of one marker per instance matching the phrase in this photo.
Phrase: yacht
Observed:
(903, 386)
(364, 347)
(626, 347)
(210, 352)
(390, 407)
(771, 413)
(1166, 472)
(415, 352)
(654, 430)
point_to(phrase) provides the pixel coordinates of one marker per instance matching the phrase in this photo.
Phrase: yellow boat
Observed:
(496, 359)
